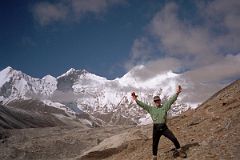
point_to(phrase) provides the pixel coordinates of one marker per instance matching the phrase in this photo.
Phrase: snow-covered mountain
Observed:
(17, 85)
(81, 91)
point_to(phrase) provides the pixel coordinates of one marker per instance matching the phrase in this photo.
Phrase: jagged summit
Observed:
(72, 71)
(49, 77)
(8, 71)
(15, 84)
(8, 68)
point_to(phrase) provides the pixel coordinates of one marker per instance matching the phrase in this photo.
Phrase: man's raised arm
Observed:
(140, 103)
(173, 98)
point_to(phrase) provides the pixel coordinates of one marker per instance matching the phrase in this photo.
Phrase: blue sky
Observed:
(98, 42)
(109, 37)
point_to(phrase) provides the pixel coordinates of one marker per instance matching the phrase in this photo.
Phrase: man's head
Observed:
(157, 101)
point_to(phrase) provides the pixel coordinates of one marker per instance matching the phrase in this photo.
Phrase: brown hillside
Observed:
(212, 131)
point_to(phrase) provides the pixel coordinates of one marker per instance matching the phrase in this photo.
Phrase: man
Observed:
(159, 115)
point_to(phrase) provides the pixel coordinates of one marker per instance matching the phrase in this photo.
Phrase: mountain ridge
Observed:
(79, 90)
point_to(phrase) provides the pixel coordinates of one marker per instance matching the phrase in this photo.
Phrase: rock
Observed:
(204, 143)
(112, 145)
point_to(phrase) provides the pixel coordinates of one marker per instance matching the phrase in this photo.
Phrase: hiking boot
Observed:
(182, 154)
(175, 153)
(154, 158)
(179, 153)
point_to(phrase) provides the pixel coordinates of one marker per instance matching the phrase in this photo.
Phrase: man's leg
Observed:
(156, 136)
(168, 133)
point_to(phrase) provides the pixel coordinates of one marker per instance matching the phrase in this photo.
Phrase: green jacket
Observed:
(158, 115)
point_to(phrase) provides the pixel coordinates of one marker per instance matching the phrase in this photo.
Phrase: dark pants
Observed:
(158, 131)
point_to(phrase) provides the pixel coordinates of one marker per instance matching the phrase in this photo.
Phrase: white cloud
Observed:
(84, 6)
(223, 15)
(202, 82)
(156, 67)
(93, 6)
(141, 51)
(47, 13)
(179, 38)
(227, 68)
(210, 50)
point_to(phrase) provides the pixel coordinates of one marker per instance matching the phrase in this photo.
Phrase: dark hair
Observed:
(156, 98)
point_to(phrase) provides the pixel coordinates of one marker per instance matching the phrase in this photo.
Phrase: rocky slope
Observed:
(11, 118)
(36, 114)
(208, 132)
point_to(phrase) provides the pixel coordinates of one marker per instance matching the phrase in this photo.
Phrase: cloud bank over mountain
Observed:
(204, 51)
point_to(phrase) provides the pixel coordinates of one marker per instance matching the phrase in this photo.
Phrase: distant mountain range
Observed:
(78, 91)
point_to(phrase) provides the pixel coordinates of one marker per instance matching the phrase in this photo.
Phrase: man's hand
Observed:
(134, 96)
(179, 89)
